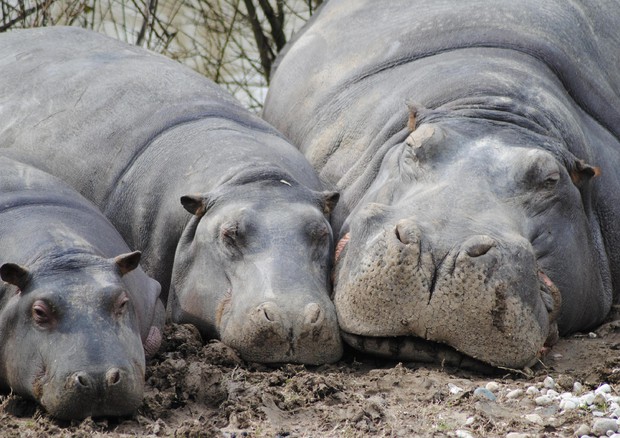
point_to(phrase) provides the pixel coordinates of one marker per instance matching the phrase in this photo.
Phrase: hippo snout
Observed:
(111, 391)
(84, 381)
(275, 332)
(480, 294)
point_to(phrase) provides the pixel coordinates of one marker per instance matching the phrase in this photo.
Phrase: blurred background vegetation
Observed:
(233, 42)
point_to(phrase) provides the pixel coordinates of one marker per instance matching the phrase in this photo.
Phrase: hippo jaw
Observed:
(487, 302)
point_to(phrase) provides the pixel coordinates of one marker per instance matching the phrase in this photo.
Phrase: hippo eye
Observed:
(229, 234)
(551, 180)
(41, 313)
(120, 307)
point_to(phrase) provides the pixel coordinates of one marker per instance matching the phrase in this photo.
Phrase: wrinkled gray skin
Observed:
(467, 139)
(77, 314)
(136, 133)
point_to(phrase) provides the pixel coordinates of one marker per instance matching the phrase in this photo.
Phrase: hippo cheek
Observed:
(288, 331)
(483, 298)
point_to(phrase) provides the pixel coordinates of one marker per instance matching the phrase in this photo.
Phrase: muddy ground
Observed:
(206, 390)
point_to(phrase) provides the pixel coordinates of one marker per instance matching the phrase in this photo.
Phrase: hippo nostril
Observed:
(313, 313)
(81, 379)
(113, 376)
(406, 232)
(477, 246)
(269, 311)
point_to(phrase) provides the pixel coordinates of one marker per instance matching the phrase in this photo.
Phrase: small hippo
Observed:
(246, 253)
(77, 314)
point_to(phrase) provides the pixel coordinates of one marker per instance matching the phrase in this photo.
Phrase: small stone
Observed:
(553, 394)
(588, 398)
(614, 435)
(492, 386)
(454, 389)
(603, 389)
(543, 400)
(568, 405)
(582, 430)
(592, 335)
(534, 418)
(549, 383)
(603, 425)
(577, 388)
(532, 390)
(470, 421)
(517, 435)
(598, 414)
(515, 393)
(616, 413)
(463, 434)
(484, 393)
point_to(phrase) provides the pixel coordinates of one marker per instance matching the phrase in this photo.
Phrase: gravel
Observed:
(600, 408)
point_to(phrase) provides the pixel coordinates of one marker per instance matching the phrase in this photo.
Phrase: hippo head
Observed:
(71, 336)
(253, 269)
(475, 235)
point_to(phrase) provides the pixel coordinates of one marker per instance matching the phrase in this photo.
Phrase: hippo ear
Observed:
(583, 172)
(195, 204)
(328, 201)
(413, 115)
(15, 274)
(128, 262)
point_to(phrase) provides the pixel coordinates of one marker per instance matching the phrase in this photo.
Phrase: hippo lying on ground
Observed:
(77, 314)
(471, 216)
(135, 133)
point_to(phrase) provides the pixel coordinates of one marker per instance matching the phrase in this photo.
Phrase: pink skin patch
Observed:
(340, 246)
(152, 343)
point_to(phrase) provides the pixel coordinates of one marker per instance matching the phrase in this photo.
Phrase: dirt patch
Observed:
(207, 390)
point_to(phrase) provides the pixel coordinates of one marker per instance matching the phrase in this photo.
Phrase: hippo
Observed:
(476, 149)
(230, 217)
(77, 313)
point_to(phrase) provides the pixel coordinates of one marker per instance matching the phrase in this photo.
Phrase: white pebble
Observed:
(549, 382)
(616, 413)
(582, 430)
(534, 418)
(492, 386)
(592, 335)
(603, 389)
(470, 421)
(463, 434)
(543, 400)
(568, 404)
(532, 390)
(454, 389)
(588, 398)
(553, 394)
(598, 414)
(515, 393)
(577, 388)
(517, 435)
(602, 425)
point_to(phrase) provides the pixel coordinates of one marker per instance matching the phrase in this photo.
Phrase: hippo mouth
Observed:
(482, 302)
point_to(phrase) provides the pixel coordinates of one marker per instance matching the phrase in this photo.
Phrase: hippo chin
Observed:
(77, 314)
(477, 160)
(135, 133)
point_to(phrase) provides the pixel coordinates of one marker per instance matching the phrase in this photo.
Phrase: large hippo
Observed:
(228, 215)
(77, 314)
(476, 148)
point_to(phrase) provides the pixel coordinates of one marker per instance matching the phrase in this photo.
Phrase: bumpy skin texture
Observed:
(136, 133)
(475, 145)
(74, 325)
